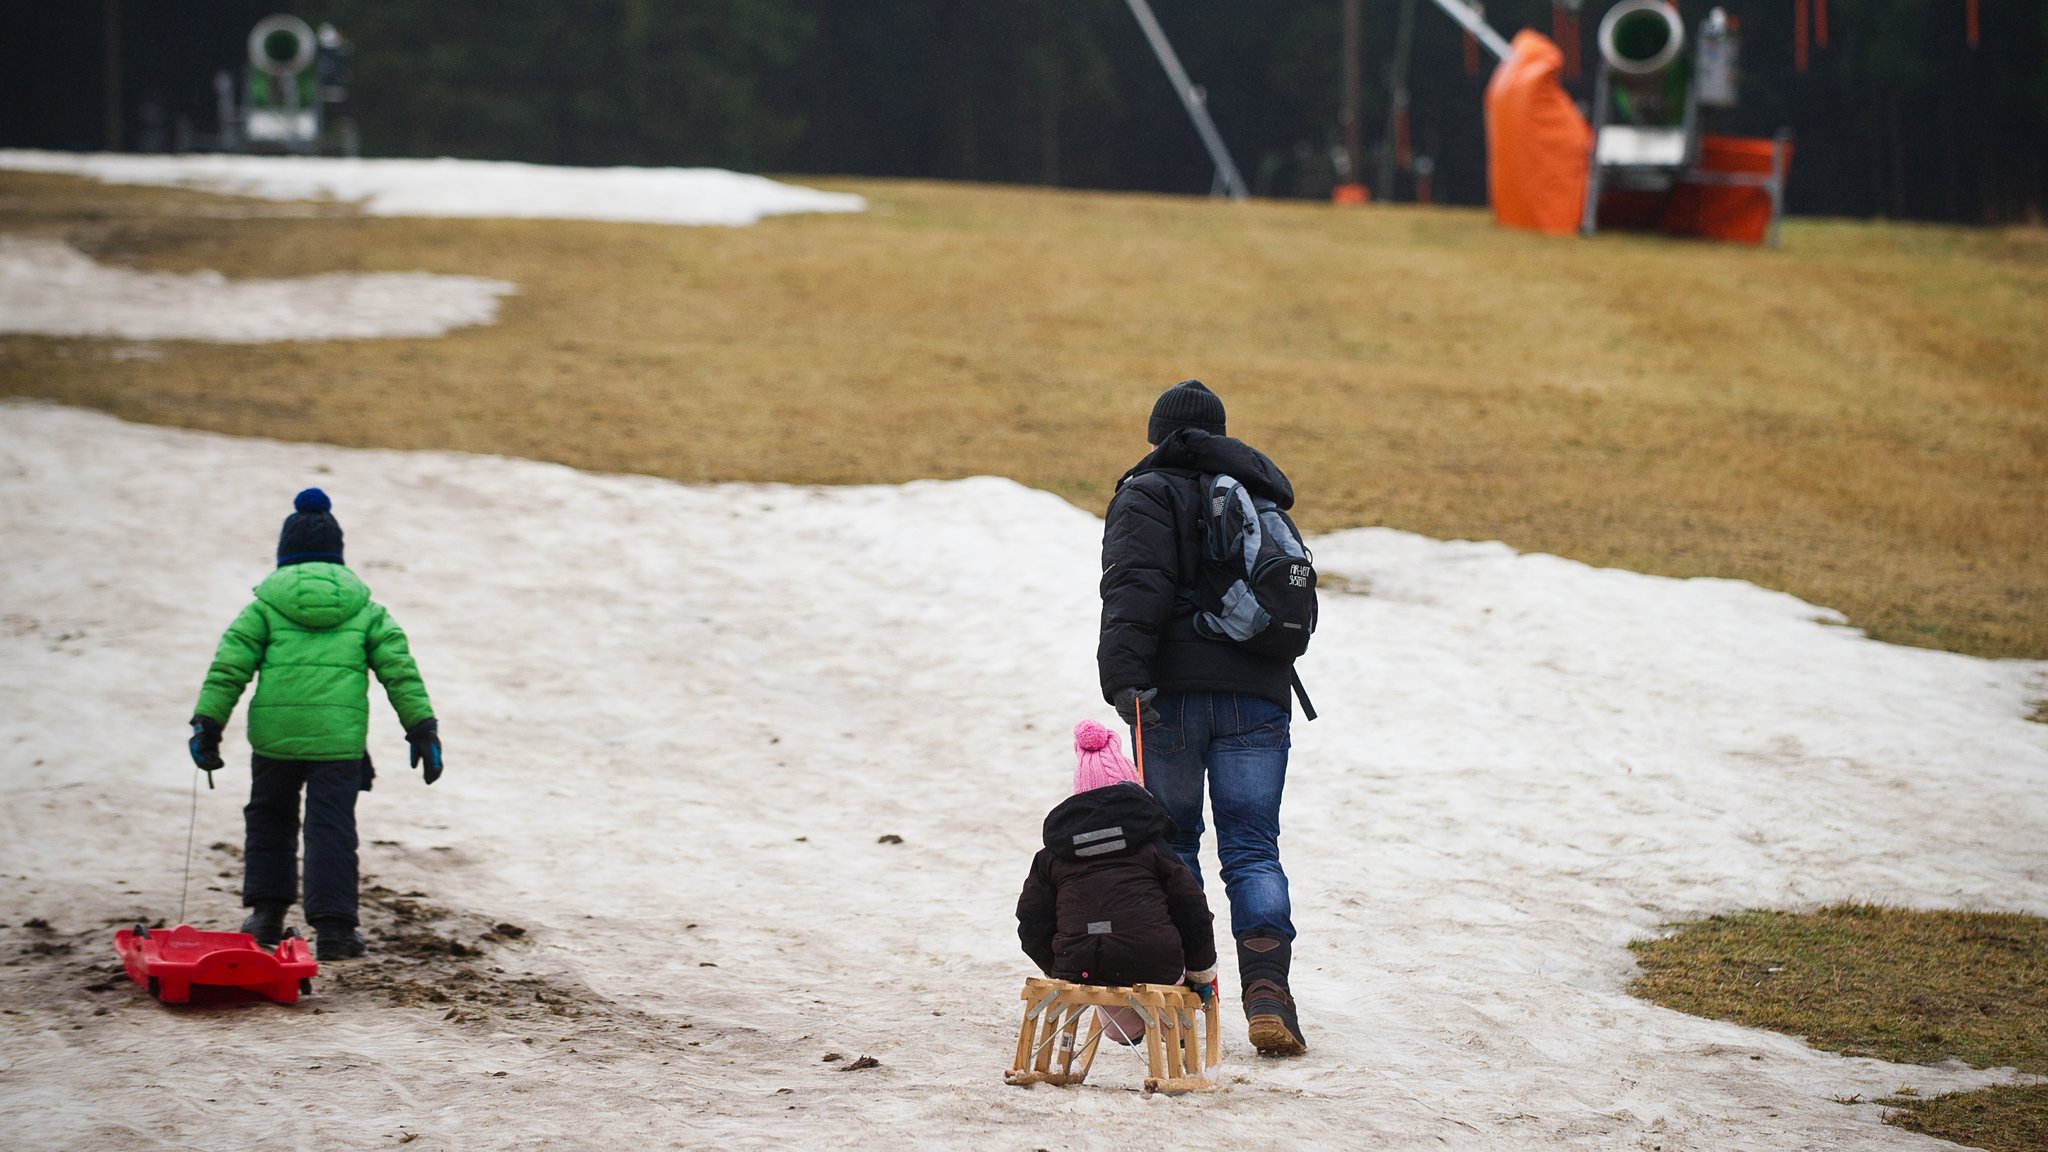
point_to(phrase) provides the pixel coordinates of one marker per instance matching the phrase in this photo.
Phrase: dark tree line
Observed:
(1896, 116)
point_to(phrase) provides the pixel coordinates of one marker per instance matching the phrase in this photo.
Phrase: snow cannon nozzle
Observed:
(312, 500)
(1639, 39)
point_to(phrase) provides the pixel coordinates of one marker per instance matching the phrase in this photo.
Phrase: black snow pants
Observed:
(270, 845)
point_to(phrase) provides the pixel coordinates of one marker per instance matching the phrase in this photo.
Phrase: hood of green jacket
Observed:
(314, 595)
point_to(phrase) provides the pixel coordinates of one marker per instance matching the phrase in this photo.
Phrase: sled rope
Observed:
(1138, 736)
(185, 885)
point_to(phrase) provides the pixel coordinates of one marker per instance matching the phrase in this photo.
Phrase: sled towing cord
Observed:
(1138, 737)
(191, 824)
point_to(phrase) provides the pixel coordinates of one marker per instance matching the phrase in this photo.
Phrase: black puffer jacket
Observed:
(1107, 902)
(1151, 543)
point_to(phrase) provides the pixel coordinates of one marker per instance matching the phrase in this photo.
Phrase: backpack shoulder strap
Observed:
(1308, 710)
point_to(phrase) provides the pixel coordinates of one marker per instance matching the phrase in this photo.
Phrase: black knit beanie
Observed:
(311, 533)
(1185, 405)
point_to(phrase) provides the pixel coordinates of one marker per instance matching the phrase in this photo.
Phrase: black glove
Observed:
(205, 745)
(1128, 701)
(425, 738)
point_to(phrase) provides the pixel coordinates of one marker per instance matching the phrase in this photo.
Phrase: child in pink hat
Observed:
(1107, 901)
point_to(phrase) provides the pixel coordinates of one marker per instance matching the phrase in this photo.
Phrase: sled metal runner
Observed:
(169, 963)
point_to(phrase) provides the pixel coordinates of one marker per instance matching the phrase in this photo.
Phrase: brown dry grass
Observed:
(2009, 1119)
(1860, 419)
(1901, 985)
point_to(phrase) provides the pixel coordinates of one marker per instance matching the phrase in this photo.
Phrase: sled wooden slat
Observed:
(1048, 1033)
(1215, 1053)
(1182, 1045)
(1169, 1038)
(1023, 1057)
(1155, 1050)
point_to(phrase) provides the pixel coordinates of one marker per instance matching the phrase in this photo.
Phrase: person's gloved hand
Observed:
(205, 745)
(425, 738)
(1202, 984)
(1129, 701)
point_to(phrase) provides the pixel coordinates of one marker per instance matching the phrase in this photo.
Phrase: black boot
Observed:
(266, 923)
(337, 940)
(1262, 963)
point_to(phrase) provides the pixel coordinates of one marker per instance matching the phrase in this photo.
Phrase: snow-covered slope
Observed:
(449, 187)
(678, 719)
(49, 288)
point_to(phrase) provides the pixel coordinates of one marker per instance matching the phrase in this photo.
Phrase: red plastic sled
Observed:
(169, 963)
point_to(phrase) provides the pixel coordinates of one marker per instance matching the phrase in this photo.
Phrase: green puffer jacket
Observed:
(311, 638)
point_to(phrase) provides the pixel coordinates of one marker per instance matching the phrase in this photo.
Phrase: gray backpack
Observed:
(1257, 582)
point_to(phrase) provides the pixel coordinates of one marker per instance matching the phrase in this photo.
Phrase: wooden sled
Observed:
(1182, 1045)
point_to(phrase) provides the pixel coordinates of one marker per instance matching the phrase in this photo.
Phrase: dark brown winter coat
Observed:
(1107, 902)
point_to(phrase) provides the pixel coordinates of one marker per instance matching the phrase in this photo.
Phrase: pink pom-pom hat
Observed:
(1099, 758)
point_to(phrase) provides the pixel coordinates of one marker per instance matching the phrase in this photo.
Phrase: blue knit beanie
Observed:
(311, 533)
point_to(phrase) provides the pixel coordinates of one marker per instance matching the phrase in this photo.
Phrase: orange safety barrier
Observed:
(1739, 213)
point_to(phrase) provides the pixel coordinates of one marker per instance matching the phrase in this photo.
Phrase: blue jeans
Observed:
(1238, 745)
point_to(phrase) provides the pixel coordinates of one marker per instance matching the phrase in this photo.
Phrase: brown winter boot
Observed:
(1262, 963)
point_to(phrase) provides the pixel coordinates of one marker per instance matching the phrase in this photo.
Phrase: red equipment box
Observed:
(170, 962)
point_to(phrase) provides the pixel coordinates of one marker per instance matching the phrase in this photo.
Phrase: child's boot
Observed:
(337, 940)
(1262, 963)
(266, 923)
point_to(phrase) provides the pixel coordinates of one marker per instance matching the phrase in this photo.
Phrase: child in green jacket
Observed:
(311, 639)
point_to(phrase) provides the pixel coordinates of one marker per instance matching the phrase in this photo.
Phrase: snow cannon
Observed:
(283, 110)
(170, 964)
(1642, 81)
(1655, 165)
(294, 73)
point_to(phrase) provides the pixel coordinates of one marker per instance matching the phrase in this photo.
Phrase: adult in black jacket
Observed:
(1107, 902)
(1215, 716)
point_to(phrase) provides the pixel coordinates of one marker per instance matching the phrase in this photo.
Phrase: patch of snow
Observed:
(464, 188)
(49, 288)
(678, 719)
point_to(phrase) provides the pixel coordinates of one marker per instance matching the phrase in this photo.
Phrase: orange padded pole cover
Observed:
(1537, 144)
